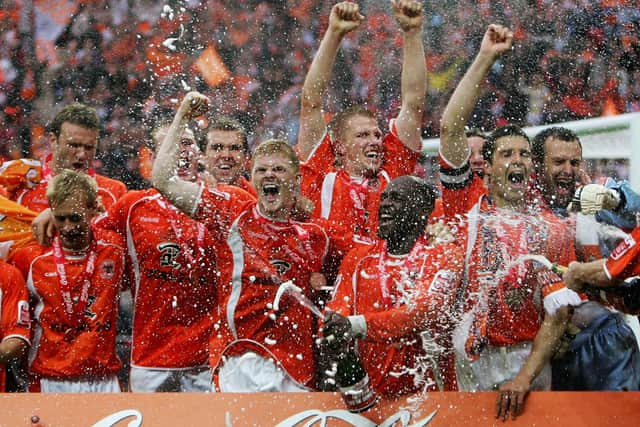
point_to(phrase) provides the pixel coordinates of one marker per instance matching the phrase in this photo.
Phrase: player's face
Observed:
(225, 155)
(362, 146)
(73, 220)
(277, 183)
(510, 170)
(476, 159)
(75, 148)
(561, 167)
(188, 157)
(399, 210)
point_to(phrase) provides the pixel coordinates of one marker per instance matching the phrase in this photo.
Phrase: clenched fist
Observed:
(408, 14)
(193, 105)
(345, 17)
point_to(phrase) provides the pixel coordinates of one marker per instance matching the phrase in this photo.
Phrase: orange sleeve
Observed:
(15, 307)
(624, 260)
(343, 299)
(398, 158)
(21, 258)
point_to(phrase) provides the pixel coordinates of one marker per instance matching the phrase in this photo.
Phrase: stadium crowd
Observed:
(222, 235)
(574, 60)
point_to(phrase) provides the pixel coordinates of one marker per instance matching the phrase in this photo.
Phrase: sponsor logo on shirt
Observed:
(149, 219)
(168, 253)
(107, 269)
(623, 247)
(281, 266)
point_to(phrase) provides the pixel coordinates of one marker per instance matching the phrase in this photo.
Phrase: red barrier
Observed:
(299, 409)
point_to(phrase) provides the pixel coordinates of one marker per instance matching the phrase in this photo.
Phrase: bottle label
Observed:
(360, 396)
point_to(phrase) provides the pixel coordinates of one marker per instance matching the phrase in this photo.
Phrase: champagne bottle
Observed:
(353, 382)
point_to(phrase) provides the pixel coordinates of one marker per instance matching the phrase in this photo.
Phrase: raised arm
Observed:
(164, 176)
(453, 142)
(345, 17)
(413, 85)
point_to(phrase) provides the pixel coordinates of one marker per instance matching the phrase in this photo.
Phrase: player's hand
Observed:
(345, 17)
(193, 105)
(317, 281)
(208, 178)
(497, 40)
(571, 277)
(337, 327)
(44, 228)
(511, 397)
(592, 198)
(408, 14)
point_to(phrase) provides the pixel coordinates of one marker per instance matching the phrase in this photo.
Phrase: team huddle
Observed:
(456, 286)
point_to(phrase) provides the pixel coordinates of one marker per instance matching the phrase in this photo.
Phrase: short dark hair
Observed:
(489, 145)
(426, 192)
(337, 123)
(556, 132)
(228, 124)
(78, 114)
(475, 132)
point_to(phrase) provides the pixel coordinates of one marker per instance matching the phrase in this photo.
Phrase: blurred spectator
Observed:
(574, 59)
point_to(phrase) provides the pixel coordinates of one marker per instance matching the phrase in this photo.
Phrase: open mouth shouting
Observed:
(270, 189)
(373, 157)
(516, 179)
(565, 185)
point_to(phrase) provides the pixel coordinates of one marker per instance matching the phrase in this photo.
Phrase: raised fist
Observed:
(497, 40)
(193, 105)
(408, 14)
(345, 17)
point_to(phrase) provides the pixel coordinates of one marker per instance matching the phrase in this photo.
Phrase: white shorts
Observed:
(497, 365)
(108, 384)
(146, 380)
(251, 372)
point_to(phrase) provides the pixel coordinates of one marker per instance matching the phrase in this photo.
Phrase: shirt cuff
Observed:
(358, 326)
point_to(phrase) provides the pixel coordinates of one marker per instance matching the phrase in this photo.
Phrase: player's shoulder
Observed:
(23, 257)
(10, 273)
(230, 192)
(111, 184)
(108, 239)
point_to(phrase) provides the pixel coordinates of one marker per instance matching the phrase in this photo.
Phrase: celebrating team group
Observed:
(455, 286)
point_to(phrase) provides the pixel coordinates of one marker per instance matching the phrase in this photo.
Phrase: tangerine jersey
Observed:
(74, 345)
(348, 207)
(502, 286)
(14, 309)
(404, 301)
(171, 267)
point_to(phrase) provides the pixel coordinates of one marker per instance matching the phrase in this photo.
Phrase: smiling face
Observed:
(74, 148)
(225, 155)
(560, 171)
(277, 182)
(361, 145)
(405, 206)
(510, 170)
